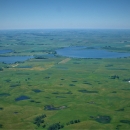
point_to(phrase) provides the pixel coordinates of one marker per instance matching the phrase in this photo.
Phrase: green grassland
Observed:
(60, 92)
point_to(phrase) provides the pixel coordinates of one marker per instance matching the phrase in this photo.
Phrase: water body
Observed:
(14, 59)
(22, 98)
(83, 52)
(5, 51)
(36, 90)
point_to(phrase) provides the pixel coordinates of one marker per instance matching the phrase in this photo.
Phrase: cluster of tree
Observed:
(73, 122)
(115, 77)
(39, 120)
(55, 126)
(40, 57)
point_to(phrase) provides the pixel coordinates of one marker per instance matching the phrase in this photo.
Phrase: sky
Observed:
(64, 14)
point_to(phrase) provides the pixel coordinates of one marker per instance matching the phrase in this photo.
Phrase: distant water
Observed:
(13, 59)
(83, 52)
(5, 51)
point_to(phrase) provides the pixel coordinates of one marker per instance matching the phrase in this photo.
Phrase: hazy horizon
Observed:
(64, 14)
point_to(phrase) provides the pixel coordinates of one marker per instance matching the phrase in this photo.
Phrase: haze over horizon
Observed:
(64, 14)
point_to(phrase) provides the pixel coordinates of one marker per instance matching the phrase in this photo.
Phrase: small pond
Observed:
(22, 98)
(13, 59)
(84, 52)
(36, 90)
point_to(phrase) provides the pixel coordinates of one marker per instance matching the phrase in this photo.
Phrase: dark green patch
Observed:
(122, 109)
(1, 126)
(48, 97)
(14, 85)
(47, 77)
(40, 57)
(68, 92)
(39, 120)
(73, 122)
(126, 79)
(86, 91)
(1, 69)
(109, 65)
(74, 81)
(15, 112)
(91, 102)
(32, 101)
(114, 92)
(24, 66)
(76, 63)
(114, 77)
(37, 102)
(103, 119)
(60, 97)
(51, 107)
(71, 85)
(126, 89)
(117, 127)
(4, 94)
(85, 82)
(7, 80)
(55, 93)
(1, 108)
(125, 121)
(55, 126)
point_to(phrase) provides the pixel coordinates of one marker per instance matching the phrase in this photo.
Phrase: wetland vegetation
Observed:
(52, 91)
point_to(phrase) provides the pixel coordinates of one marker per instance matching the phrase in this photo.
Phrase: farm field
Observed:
(49, 91)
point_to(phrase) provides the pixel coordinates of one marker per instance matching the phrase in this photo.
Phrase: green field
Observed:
(61, 92)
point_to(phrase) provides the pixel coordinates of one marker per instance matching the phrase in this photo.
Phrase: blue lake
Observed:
(5, 51)
(84, 52)
(13, 59)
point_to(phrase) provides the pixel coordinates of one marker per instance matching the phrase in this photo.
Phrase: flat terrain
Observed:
(51, 92)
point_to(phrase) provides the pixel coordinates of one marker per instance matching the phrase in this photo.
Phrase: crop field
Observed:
(53, 92)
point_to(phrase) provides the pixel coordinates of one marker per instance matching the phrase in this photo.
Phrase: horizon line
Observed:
(67, 29)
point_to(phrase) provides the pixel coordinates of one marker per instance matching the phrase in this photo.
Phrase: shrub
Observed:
(73, 122)
(56, 126)
(39, 120)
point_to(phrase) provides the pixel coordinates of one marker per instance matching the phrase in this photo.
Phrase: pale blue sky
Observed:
(43, 14)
